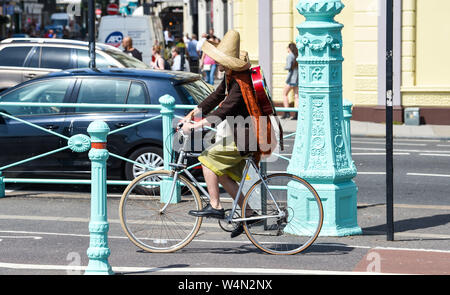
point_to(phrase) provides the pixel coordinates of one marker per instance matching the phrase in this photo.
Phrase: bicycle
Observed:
(154, 209)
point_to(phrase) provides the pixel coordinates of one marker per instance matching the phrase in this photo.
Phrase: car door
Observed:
(105, 90)
(31, 68)
(47, 59)
(12, 60)
(20, 141)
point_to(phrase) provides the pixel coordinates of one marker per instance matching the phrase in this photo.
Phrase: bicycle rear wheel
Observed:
(146, 225)
(291, 214)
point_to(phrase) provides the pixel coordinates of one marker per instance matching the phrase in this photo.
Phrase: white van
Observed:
(61, 19)
(143, 30)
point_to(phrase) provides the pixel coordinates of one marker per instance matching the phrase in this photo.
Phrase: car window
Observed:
(14, 56)
(136, 95)
(83, 60)
(33, 60)
(104, 91)
(196, 91)
(55, 58)
(126, 60)
(49, 91)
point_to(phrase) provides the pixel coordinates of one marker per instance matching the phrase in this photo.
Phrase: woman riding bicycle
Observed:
(224, 161)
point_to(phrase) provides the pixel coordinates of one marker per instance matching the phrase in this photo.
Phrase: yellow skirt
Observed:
(224, 159)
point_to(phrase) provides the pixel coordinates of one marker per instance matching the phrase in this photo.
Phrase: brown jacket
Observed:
(231, 105)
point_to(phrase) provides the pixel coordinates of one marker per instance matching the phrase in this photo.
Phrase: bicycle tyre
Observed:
(146, 226)
(292, 233)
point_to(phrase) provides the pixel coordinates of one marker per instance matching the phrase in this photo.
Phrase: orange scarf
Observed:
(264, 134)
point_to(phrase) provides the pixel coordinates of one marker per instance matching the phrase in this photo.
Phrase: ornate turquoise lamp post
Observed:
(321, 152)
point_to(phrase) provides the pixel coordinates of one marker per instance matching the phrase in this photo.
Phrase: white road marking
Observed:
(189, 269)
(21, 237)
(428, 174)
(398, 139)
(379, 154)
(399, 150)
(395, 143)
(372, 173)
(435, 155)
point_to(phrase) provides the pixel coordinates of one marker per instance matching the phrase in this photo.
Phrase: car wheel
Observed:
(150, 156)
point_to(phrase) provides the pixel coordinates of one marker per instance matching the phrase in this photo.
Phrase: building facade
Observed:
(421, 67)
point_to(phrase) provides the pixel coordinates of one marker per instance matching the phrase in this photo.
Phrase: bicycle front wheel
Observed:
(287, 214)
(149, 223)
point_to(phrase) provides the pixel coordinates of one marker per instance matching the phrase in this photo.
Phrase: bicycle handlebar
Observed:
(179, 129)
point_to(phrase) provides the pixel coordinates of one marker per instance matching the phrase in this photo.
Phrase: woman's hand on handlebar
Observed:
(189, 117)
(187, 127)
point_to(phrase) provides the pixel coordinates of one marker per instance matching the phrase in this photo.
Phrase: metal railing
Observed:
(80, 143)
(98, 251)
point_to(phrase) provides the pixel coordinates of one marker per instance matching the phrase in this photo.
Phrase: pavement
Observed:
(359, 128)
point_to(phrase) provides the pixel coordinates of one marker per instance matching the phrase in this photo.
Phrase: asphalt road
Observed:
(45, 231)
(421, 170)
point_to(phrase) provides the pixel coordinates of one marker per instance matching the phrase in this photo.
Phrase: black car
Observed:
(142, 143)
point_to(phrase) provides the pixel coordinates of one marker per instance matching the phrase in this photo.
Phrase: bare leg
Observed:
(295, 100)
(232, 188)
(296, 96)
(286, 91)
(212, 181)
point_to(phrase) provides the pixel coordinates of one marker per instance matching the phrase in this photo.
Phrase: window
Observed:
(126, 60)
(33, 60)
(55, 58)
(102, 91)
(14, 56)
(50, 91)
(83, 60)
(136, 95)
(195, 91)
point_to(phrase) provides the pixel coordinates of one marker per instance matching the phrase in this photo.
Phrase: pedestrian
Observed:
(50, 34)
(186, 38)
(200, 43)
(178, 63)
(127, 44)
(160, 62)
(234, 98)
(179, 42)
(208, 65)
(183, 50)
(292, 79)
(211, 35)
(168, 36)
(194, 57)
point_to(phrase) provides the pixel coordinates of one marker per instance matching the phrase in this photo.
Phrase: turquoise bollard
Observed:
(98, 251)
(168, 103)
(321, 152)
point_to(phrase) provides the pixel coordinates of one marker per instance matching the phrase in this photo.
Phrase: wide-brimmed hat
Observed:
(227, 52)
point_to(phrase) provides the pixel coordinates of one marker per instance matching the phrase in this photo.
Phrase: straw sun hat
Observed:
(228, 53)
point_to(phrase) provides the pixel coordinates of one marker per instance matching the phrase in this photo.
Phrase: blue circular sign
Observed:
(114, 39)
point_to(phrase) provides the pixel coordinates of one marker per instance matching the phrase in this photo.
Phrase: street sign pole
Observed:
(91, 31)
(389, 121)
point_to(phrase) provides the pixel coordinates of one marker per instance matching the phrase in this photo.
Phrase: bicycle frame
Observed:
(249, 162)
